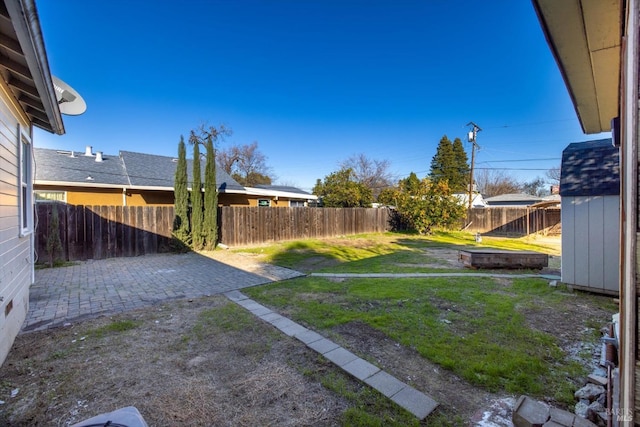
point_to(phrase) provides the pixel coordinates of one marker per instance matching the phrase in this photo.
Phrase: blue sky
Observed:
(313, 81)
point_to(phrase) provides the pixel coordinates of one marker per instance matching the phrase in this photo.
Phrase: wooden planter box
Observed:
(495, 258)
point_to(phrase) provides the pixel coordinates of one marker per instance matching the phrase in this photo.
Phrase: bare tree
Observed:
(553, 175)
(246, 164)
(495, 182)
(374, 174)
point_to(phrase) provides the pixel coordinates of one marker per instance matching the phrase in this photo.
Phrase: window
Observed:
(264, 202)
(26, 186)
(297, 203)
(50, 196)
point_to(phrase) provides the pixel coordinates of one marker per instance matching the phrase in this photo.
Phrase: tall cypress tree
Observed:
(196, 200)
(210, 230)
(181, 195)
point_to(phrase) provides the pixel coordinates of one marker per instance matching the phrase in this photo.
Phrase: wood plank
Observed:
(494, 258)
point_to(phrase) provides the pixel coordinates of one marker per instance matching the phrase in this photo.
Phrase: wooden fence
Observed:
(241, 226)
(97, 232)
(519, 221)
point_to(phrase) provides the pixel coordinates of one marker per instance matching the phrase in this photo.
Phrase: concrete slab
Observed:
(414, 401)
(293, 330)
(323, 346)
(271, 317)
(385, 383)
(561, 417)
(361, 369)
(253, 306)
(529, 413)
(340, 356)
(282, 322)
(235, 296)
(261, 311)
(309, 336)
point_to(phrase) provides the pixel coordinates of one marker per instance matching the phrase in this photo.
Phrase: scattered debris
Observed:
(15, 392)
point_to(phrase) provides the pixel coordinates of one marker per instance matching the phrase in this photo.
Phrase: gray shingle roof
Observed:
(515, 197)
(150, 170)
(129, 168)
(590, 168)
(55, 165)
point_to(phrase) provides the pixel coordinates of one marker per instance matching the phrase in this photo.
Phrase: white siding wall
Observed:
(16, 254)
(590, 242)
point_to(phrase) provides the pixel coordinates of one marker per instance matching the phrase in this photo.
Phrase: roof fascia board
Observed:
(265, 192)
(27, 25)
(117, 186)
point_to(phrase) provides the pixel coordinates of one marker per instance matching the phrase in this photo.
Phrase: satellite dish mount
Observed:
(69, 101)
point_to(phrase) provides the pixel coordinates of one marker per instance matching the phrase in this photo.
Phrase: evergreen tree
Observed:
(459, 180)
(197, 214)
(54, 244)
(210, 230)
(442, 162)
(181, 194)
(450, 165)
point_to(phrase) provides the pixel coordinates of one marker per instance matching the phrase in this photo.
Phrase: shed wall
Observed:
(590, 242)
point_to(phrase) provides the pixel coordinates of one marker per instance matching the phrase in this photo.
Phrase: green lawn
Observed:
(475, 327)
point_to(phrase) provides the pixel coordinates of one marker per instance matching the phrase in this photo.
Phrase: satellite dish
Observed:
(69, 101)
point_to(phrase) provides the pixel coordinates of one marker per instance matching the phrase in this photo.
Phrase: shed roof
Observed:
(590, 168)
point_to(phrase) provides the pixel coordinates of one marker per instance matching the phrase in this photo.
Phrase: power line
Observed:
(521, 160)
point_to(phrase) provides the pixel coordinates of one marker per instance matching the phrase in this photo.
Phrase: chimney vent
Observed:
(99, 156)
(88, 151)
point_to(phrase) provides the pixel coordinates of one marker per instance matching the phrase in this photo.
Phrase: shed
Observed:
(590, 191)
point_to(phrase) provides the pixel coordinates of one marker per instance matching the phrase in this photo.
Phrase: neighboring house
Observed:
(130, 179)
(27, 99)
(281, 196)
(596, 45)
(590, 190)
(477, 202)
(513, 200)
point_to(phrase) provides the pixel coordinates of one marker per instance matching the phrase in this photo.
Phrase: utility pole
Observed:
(473, 133)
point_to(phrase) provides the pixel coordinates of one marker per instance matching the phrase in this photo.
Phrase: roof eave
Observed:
(27, 26)
(585, 38)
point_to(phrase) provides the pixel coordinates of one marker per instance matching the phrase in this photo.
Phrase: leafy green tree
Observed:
(423, 205)
(53, 244)
(181, 229)
(210, 230)
(197, 212)
(341, 190)
(449, 165)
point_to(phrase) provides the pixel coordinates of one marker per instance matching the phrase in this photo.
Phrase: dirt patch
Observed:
(175, 367)
(454, 394)
(205, 363)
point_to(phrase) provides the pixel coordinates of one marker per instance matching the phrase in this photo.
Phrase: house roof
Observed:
(590, 168)
(281, 191)
(129, 169)
(150, 170)
(584, 37)
(57, 166)
(513, 198)
(24, 65)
